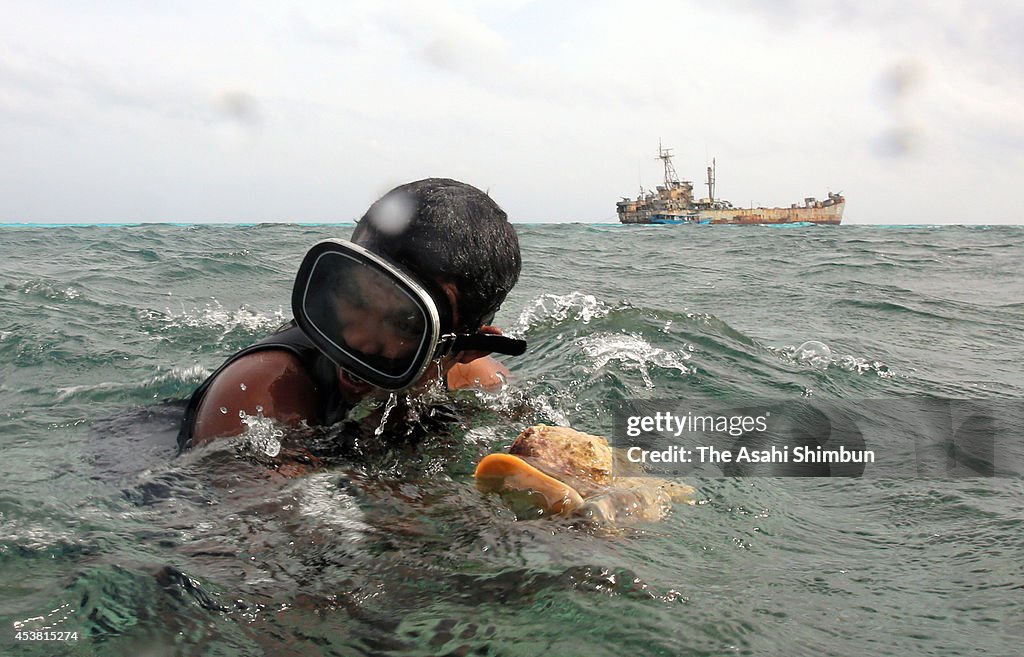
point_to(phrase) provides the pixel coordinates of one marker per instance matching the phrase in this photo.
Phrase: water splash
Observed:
(389, 406)
(262, 435)
(548, 411)
(634, 353)
(559, 308)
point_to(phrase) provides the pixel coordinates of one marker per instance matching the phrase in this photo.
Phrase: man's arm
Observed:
(271, 382)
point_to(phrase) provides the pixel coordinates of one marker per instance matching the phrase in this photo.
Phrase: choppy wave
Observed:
(226, 548)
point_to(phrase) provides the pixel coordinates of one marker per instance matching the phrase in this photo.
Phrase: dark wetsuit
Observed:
(320, 369)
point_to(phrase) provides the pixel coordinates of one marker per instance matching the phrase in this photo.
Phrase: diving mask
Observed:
(375, 320)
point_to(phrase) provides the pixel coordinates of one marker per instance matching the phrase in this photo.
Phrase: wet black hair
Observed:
(447, 231)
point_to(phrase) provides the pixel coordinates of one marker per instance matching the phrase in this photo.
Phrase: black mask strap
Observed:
(489, 342)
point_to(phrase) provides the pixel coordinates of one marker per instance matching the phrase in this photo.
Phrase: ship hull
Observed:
(829, 214)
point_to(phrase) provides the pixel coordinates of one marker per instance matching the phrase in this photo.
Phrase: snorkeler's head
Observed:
(446, 231)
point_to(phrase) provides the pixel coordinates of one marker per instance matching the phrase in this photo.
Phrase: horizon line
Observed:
(133, 224)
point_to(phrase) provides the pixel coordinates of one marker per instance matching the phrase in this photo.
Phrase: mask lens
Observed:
(366, 317)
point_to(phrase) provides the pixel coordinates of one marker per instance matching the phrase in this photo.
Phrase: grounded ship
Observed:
(673, 203)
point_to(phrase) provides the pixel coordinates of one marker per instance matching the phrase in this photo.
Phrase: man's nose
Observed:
(364, 337)
(373, 336)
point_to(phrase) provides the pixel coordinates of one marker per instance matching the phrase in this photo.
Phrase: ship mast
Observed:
(665, 155)
(711, 181)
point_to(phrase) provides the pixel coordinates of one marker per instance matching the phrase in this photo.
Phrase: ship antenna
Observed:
(711, 181)
(665, 155)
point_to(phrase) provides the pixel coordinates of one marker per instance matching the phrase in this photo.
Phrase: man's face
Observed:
(385, 326)
(378, 319)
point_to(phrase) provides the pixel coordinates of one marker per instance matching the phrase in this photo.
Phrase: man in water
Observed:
(410, 299)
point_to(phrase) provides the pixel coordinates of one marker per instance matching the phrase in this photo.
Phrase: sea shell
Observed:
(561, 471)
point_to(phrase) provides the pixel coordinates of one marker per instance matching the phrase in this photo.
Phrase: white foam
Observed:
(184, 374)
(559, 308)
(216, 316)
(633, 352)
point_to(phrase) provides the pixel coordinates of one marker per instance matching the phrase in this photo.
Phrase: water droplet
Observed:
(242, 386)
(224, 410)
(241, 414)
(388, 407)
(259, 409)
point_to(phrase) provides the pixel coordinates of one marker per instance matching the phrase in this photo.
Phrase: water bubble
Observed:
(259, 409)
(241, 414)
(224, 410)
(814, 353)
(242, 386)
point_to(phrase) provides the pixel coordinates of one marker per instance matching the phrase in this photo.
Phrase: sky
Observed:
(249, 111)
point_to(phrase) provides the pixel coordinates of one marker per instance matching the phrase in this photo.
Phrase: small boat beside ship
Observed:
(673, 203)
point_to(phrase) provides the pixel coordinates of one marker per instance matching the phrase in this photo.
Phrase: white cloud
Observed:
(278, 112)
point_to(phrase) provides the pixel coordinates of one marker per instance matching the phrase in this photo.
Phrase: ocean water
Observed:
(107, 534)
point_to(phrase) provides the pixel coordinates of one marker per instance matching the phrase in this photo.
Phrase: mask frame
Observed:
(333, 271)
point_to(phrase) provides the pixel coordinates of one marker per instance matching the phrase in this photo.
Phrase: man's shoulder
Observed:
(273, 383)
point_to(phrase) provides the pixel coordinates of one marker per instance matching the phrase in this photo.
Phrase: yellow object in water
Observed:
(561, 471)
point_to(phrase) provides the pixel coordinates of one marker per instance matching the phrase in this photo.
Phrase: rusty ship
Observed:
(673, 203)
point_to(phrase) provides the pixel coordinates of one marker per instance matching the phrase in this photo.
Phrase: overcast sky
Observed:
(306, 112)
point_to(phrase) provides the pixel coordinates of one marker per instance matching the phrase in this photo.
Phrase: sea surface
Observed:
(107, 534)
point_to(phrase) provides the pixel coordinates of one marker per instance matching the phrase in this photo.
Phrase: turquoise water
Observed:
(106, 533)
